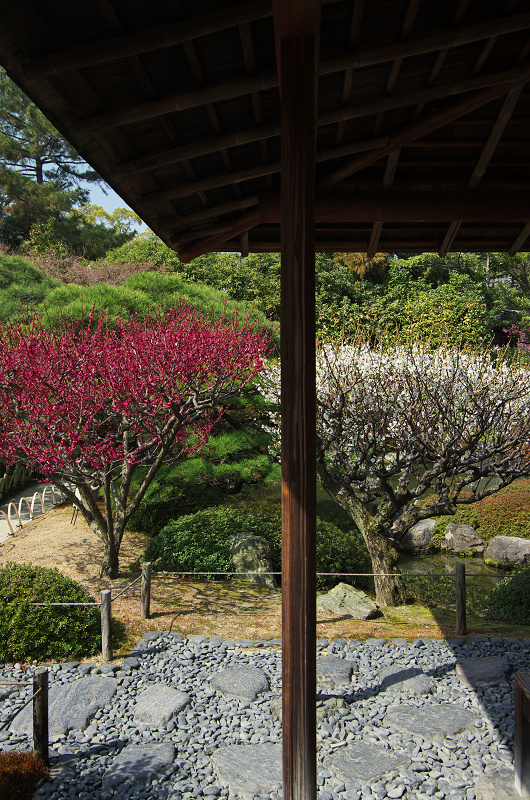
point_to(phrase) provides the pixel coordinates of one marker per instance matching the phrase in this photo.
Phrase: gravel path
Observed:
(362, 713)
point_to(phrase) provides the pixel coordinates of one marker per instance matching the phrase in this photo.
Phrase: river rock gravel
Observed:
(453, 734)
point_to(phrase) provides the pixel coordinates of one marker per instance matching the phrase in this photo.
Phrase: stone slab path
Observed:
(186, 717)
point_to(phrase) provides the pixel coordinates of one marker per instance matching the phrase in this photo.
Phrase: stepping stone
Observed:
(326, 707)
(333, 670)
(70, 706)
(138, 762)
(240, 683)
(431, 722)
(249, 770)
(488, 669)
(363, 762)
(500, 786)
(157, 704)
(412, 681)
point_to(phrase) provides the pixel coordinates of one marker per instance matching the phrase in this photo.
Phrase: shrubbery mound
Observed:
(201, 542)
(29, 631)
(509, 600)
(19, 775)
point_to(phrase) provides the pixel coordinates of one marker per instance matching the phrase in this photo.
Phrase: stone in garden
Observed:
(419, 536)
(130, 663)
(249, 770)
(333, 670)
(253, 554)
(240, 683)
(431, 721)
(157, 704)
(500, 786)
(488, 669)
(71, 706)
(462, 538)
(138, 762)
(508, 550)
(411, 681)
(345, 601)
(362, 762)
(325, 708)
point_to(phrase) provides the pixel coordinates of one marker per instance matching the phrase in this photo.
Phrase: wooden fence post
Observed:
(522, 733)
(146, 590)
(40, 714)
(106, 631)
(461, 628)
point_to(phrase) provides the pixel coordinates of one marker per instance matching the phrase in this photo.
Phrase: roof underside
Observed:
(423, 119)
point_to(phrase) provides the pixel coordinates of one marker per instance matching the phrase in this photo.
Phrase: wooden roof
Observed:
(423, 116)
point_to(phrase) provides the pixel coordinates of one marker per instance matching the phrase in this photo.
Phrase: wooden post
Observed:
(145, 598)
(106, 629)
(461, 628)
(298, 93)
(522, 733)
(40, 714)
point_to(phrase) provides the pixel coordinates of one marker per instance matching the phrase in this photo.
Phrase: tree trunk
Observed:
(389, 590)
(110, 562)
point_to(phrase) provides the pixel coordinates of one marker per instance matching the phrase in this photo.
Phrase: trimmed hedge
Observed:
(509, 600)
(201, 542)
(29, 631)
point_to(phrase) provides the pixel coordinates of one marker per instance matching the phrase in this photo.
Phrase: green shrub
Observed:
(194, 543)
(19, 774)
(200, 542)
(509, 600)
(506, 513)
(28, 631)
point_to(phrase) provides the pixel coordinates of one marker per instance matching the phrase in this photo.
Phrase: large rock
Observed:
(139, 763)
(462, 538)
(157, 704)
(363, 762)
(252, 554)
(431, 722)
(485, 669)
(410, 681)
(71, 706)
(240, 683)
(418, 537)
(508, 550)
(249, 770)
(345, 601)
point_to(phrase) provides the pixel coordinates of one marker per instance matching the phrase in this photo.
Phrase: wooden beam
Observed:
(210, 243)
(298, 58)
(152, 37)
(403, 206)
(423, 127)
(420, 45)
(175, 102)
(215, 144)
(208, 213)
(521, 239)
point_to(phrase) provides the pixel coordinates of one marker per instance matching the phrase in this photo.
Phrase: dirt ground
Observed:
(236, 609)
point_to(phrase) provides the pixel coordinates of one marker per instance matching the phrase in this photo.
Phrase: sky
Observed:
(110, 201)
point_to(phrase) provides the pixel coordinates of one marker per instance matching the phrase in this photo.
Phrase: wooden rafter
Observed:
(154, 37)
(487, 153)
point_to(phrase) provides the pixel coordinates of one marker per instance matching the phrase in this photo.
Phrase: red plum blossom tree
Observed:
(88, 406)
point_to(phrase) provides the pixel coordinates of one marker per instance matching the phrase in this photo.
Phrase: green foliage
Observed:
(194, 543)
(19, 774)
(509, 600)
(28, 631)
(138, 295)
(200, 542)
(21, 284)
(236, 455)
(506, 513)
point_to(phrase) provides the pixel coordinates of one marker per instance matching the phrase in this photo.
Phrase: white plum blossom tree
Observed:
(409, 432)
